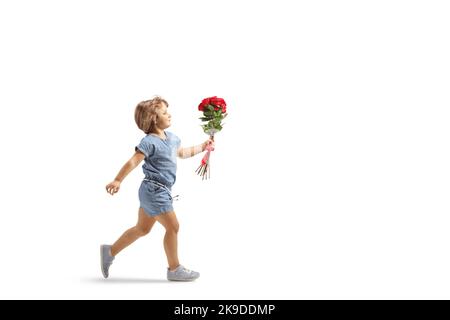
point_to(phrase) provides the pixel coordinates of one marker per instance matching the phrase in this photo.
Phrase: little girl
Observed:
(159, 149)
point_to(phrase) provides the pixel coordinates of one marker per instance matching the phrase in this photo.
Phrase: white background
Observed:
(330, 179)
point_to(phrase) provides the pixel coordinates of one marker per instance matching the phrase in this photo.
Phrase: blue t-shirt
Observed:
(160, 157)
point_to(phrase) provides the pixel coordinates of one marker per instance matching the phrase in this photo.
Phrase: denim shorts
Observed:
(155, 198)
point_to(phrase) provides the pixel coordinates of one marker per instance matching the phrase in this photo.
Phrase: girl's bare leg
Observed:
(143, 227)
(170, 222)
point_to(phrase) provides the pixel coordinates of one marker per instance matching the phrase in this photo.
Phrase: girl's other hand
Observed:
(113, 187)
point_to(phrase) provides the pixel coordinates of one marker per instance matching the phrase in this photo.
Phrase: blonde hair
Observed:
(145, 114)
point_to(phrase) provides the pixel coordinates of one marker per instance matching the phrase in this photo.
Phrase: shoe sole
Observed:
(183, 280)
(101, 262)
(177, 280)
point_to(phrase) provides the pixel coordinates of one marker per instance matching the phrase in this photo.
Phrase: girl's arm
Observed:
(114, 186)
(188, 152)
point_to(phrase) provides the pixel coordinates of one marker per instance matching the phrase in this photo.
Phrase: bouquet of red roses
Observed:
(214, 111)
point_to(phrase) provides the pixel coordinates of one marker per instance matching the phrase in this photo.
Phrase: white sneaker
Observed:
(182, 274)
(106, 259)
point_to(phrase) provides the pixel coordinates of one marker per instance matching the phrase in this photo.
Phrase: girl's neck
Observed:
(160, 133)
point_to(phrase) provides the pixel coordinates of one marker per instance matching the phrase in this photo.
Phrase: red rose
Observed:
(218, 103)
(224, 109)
(203, 104)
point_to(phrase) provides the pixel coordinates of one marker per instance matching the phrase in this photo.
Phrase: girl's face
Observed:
(163, 119)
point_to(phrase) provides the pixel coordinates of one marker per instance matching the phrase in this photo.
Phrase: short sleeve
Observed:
(174, 140)
(146, 147)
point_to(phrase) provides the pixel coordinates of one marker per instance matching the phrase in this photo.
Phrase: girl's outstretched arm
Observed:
(114, 186)
(188, 152)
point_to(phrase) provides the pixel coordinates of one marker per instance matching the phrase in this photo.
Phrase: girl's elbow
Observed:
(180, 154)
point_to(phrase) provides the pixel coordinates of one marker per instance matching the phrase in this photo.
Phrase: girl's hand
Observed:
(208, 142)
(113, 187)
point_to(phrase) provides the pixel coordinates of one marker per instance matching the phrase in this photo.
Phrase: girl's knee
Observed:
(142, 230)
(170, 222)
(173, 227)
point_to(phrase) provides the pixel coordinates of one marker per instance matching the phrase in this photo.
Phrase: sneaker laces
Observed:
(184, 270)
